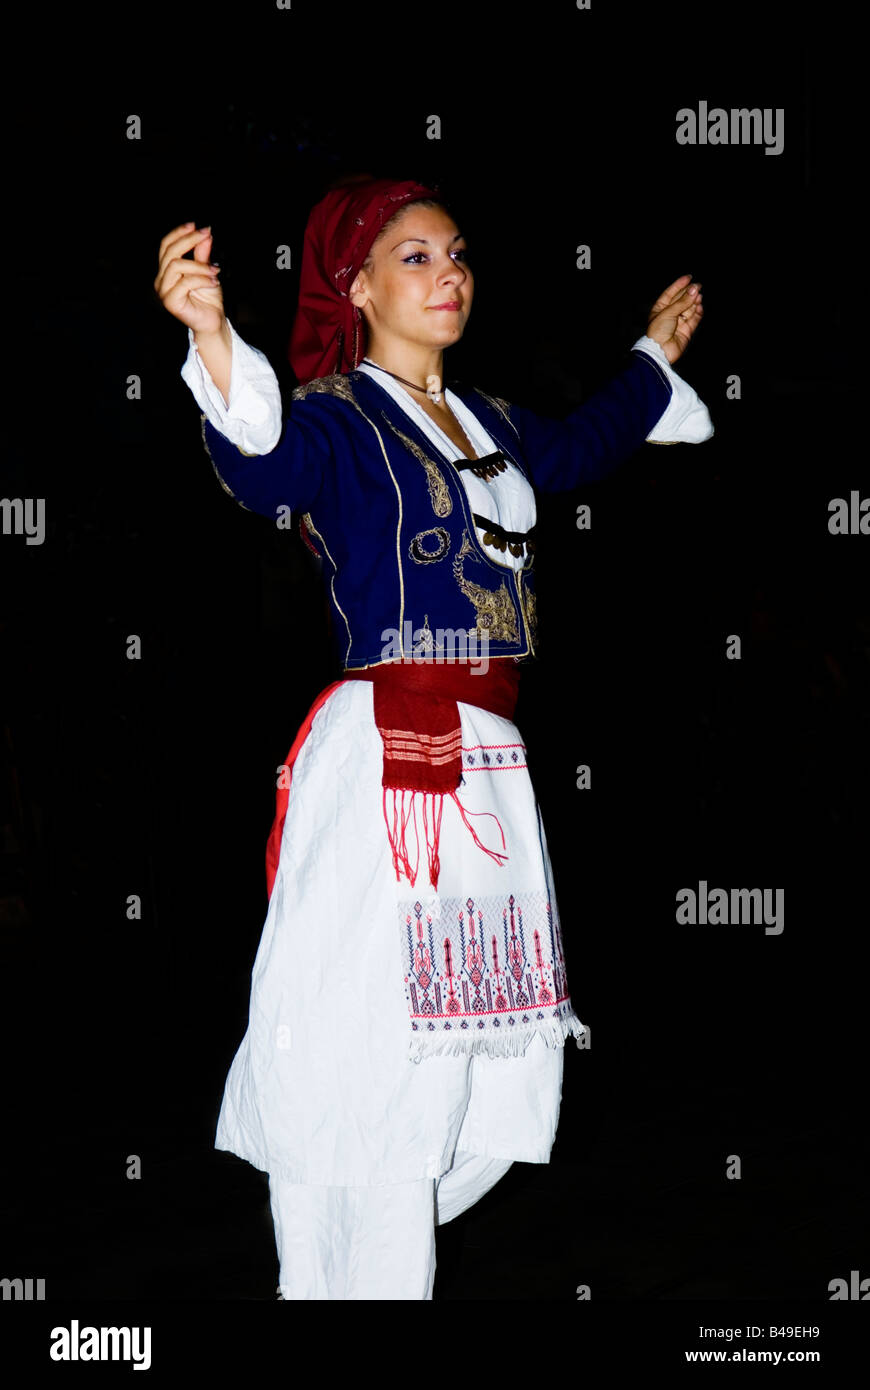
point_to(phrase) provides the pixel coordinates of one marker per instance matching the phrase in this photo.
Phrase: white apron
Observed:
(323, 1088)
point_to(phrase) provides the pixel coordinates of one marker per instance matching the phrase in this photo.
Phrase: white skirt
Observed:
(391, 1024)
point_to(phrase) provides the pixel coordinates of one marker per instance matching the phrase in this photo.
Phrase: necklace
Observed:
(433, 391)
(432, 387)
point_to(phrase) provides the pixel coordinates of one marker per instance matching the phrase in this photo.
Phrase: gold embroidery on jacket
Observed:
(335, 385)
(494, 608)
(442, 502)
(227, 489)
(531, 606)
(339, 385)
(419, 552)
(309, 522)
(501, 405)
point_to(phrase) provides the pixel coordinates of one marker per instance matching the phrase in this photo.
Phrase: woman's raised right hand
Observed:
(189, 289)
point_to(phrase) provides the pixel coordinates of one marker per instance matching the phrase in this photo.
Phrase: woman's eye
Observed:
(461, 251)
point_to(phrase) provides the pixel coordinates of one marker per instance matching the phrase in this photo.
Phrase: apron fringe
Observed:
(507, 1042)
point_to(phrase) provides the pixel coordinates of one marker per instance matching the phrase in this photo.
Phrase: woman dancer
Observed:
(409, 998)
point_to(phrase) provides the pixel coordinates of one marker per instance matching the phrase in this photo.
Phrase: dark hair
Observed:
(368, 263)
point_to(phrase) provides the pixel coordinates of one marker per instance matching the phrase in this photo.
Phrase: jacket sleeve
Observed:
(291, 475)
(285, 461)
(600, 434)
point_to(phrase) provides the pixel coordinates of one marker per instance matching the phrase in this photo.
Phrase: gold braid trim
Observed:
(501, 405)
(442, 502)
(531, 611)
(227, 489)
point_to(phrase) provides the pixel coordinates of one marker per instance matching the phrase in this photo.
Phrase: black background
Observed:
(156, 777)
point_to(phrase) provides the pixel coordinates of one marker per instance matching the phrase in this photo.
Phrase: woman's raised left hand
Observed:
(675, 316)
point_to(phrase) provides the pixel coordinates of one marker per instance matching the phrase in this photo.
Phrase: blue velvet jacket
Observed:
(391, 517)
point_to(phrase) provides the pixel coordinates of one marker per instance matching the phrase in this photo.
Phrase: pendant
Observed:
(433, 388)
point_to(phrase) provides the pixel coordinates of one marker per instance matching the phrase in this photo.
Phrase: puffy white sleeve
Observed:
(686, 419)
(253, 418)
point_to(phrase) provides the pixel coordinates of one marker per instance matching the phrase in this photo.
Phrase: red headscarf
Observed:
(329, 332)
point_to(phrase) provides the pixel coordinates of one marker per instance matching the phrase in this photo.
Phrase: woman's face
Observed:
(419, 264)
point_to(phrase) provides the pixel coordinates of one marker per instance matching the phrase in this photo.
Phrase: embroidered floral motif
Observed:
(494, 607)
(442, 502)
(335, 385)
(418, 551)
(486, 968)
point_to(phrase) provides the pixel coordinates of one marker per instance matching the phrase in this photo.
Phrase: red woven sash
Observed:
(416, 715)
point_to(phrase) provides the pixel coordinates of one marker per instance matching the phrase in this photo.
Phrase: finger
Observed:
(179, 246)
(172, 239)
(176, 232)
(182, 269)
(675, 287)
(179, 296)
(687, 325)
(680, 320)
(686, 301)
(182, 266)
(666, 296)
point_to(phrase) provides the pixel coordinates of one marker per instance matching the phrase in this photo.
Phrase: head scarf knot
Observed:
(329, 332)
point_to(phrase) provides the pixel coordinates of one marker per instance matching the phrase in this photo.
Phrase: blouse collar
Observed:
(481, 441)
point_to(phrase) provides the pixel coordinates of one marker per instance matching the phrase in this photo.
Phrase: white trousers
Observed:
(371, 1242)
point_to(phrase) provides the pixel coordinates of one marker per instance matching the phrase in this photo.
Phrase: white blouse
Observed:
(253, 420)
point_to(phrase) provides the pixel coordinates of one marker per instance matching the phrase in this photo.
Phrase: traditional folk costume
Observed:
(409, 998)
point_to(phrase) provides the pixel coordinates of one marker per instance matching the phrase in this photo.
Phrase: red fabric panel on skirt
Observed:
(273, 847)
